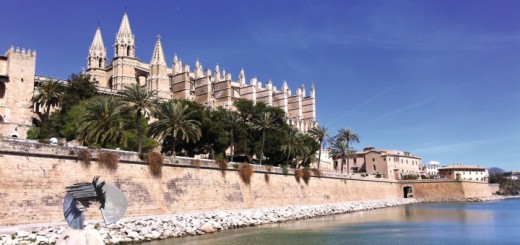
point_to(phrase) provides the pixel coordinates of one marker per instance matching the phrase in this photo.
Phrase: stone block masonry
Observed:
(33, 178)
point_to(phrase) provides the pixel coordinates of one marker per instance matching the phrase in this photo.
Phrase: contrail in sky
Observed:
(360, 105)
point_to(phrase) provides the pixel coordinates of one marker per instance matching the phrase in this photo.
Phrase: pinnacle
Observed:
(158, 54)
(97, 42)
(124, 29)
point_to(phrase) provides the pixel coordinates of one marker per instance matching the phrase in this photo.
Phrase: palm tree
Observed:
(319, 133)
(293, 145)
(102, 122)
(346, 135)
(48, 94)
(231, 123)
(174, 120)
(339, 150)
(138, 102)
(264, 123)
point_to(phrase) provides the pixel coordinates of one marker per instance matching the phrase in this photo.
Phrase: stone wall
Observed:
(33, 178)
(447, 189)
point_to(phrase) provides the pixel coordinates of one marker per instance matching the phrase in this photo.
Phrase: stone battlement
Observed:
(22, 51)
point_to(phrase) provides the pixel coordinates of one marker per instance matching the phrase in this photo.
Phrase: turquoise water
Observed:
(495, 222)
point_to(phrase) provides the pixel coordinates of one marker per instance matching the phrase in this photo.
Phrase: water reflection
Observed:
(473, 223)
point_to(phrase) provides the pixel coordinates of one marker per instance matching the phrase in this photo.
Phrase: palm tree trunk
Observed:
(319, 155)
(173, 145)
(47, 112)
(139, 133)
(232, 146)
(342, 162)
(262, 147)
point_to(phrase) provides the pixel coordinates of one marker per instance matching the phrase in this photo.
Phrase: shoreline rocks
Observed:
(178, 225)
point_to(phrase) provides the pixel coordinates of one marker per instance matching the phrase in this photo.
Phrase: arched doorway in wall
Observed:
(407, 192)
(2, 90)
(1, 119)
(110, 83)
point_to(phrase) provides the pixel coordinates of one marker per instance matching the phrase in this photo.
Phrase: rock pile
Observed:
(146, 229)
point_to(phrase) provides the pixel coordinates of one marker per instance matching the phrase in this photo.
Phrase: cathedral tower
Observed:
(124, 63)
(97, 57)
(158, 79)
(125, 41)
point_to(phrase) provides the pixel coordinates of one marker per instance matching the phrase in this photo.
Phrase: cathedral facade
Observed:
(210, 88)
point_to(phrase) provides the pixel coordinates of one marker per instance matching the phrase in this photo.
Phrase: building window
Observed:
(374, 167)
(373, 159)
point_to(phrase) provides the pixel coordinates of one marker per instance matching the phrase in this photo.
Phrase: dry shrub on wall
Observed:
(266, 175)
(155, 162)
(245, 171)
(306, 175)
(316, 172)
(85, 157)
(195, 163)
(298, 174)
(108, 160)
(222, 165)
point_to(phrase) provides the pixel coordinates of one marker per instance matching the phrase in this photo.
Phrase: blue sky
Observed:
(440, 79)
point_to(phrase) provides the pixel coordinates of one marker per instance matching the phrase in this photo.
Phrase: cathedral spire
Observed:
(97, 54)
(125, 44)
(158, 54)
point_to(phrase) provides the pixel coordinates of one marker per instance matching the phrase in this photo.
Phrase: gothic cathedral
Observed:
(211, 89)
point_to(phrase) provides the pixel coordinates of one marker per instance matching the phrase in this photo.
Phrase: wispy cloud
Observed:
(454, 147)
(359, 105)
(403, 109)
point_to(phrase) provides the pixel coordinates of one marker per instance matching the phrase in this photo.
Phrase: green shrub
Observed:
(235, 165)
(285, 170)
(410, 177)
(155, 162)
(33, 133)
(378, 175)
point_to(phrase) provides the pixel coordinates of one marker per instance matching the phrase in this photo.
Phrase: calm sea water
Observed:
(495, 222)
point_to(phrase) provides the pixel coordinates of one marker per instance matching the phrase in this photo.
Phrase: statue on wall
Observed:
(113, 202)
(80, 196)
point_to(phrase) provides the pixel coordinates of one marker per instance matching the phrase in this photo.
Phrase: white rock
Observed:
(207, 228)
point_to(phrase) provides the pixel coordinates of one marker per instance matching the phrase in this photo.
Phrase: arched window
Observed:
(1, 119)
(128, 51)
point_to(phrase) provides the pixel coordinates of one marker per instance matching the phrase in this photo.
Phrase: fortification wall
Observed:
(33, 178)
(448, 189)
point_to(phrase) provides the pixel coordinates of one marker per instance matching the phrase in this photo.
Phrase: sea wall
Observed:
(33, 178)
(447, 189)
